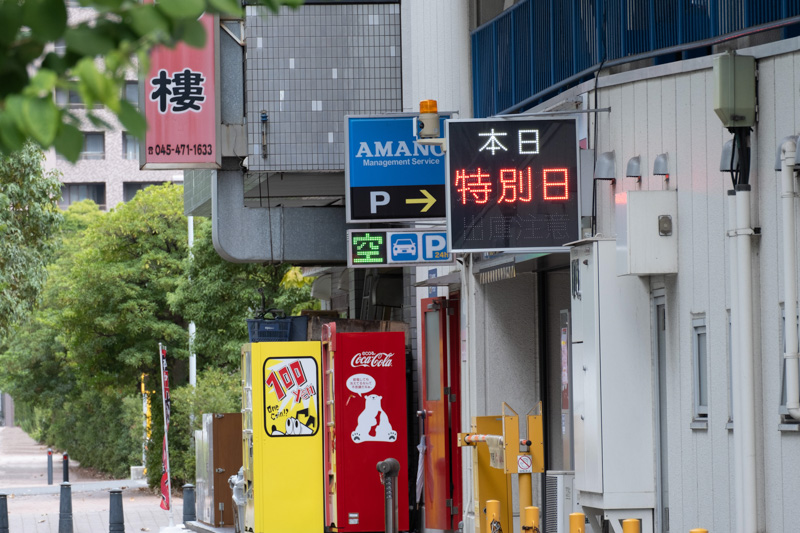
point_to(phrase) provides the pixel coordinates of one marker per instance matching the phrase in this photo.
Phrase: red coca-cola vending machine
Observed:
(365, 419)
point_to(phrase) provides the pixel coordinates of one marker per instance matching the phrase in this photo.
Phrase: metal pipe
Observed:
(525, 495)
(49, 466)
(747, 385)
(389, 469)
(736, 363)
(788, 159)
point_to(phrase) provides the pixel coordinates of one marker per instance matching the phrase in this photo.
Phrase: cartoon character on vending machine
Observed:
(373, 424)
(295, 427)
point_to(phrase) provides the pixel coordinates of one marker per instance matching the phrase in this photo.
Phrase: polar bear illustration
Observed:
(373, 424)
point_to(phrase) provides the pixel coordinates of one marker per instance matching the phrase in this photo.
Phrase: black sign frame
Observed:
(513, 184)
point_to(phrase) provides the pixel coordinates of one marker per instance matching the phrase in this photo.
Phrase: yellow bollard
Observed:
(577, 523)
(631, 525)
(531, 519)
(492, 513)
(698, 530)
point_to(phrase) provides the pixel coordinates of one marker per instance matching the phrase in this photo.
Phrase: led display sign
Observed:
(396, 247)
(512, 184)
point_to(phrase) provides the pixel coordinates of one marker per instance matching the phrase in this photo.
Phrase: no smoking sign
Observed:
(524, 464)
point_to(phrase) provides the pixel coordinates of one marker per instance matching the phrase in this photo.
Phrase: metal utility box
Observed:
(647, 232)
(366, 422)
(218, 454)
(735, 89)
(612, 377)
(282, 437)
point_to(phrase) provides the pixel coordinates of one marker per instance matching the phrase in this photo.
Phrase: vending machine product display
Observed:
(366, 422)
(283, 444)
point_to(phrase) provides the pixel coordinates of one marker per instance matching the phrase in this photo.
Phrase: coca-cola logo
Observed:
(371, 359)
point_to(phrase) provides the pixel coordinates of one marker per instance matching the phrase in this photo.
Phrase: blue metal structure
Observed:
(539, 47)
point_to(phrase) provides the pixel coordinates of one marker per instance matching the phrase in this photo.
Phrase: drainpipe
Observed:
(747, 425)
(736, 363)
(788, 155)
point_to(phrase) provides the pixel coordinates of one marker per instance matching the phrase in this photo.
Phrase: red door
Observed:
(441, 411)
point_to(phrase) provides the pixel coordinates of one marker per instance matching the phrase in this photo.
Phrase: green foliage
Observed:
(100, 51)
(119, 283)
(115, 309)
(222, 295)
(29, 221)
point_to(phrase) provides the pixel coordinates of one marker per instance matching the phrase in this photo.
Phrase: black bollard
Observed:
(189, 514)
(116, 519)
(66, 467)
(65, 509)
(49, 466)
(3, 514)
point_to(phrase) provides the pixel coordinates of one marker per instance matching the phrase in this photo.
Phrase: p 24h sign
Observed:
(512, 184)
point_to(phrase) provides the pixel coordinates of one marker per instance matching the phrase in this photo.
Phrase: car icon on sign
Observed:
(404, 246)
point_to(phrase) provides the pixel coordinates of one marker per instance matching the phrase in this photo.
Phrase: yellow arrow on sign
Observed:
(429, 200)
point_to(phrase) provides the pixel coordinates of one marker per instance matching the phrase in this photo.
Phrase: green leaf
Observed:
(42, 118)
(47, 19)
(193, 34)
(10, 21)
(14, 77)
(12, 138)
(133, 121)
(44, 81)
(69, 142)
(231, 7)
(27, 51)
(85, 41)
(182, 9)
(94, 86)
(146, 19)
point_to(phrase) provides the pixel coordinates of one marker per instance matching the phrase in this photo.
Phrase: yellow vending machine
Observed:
(283, 448)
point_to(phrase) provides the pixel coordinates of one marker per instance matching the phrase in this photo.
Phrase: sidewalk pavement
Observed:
(33, 505)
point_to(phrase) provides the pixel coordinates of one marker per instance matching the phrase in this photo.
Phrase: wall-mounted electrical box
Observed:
(647, 232)
(735, 90)
(612, 383)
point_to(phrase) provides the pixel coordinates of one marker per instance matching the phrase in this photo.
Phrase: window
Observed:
(129, 189)
(65, 98)
(700, 364)
(94, 145)
(130, 146)
(75, 192)
(132, 92)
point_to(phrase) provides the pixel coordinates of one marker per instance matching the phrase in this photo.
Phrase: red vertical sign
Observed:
(181, 105)
(165, 481)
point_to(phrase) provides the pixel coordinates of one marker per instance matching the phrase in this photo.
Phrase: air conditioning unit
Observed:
(561, 500)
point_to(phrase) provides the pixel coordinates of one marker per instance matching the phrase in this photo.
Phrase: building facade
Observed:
(663, 390)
